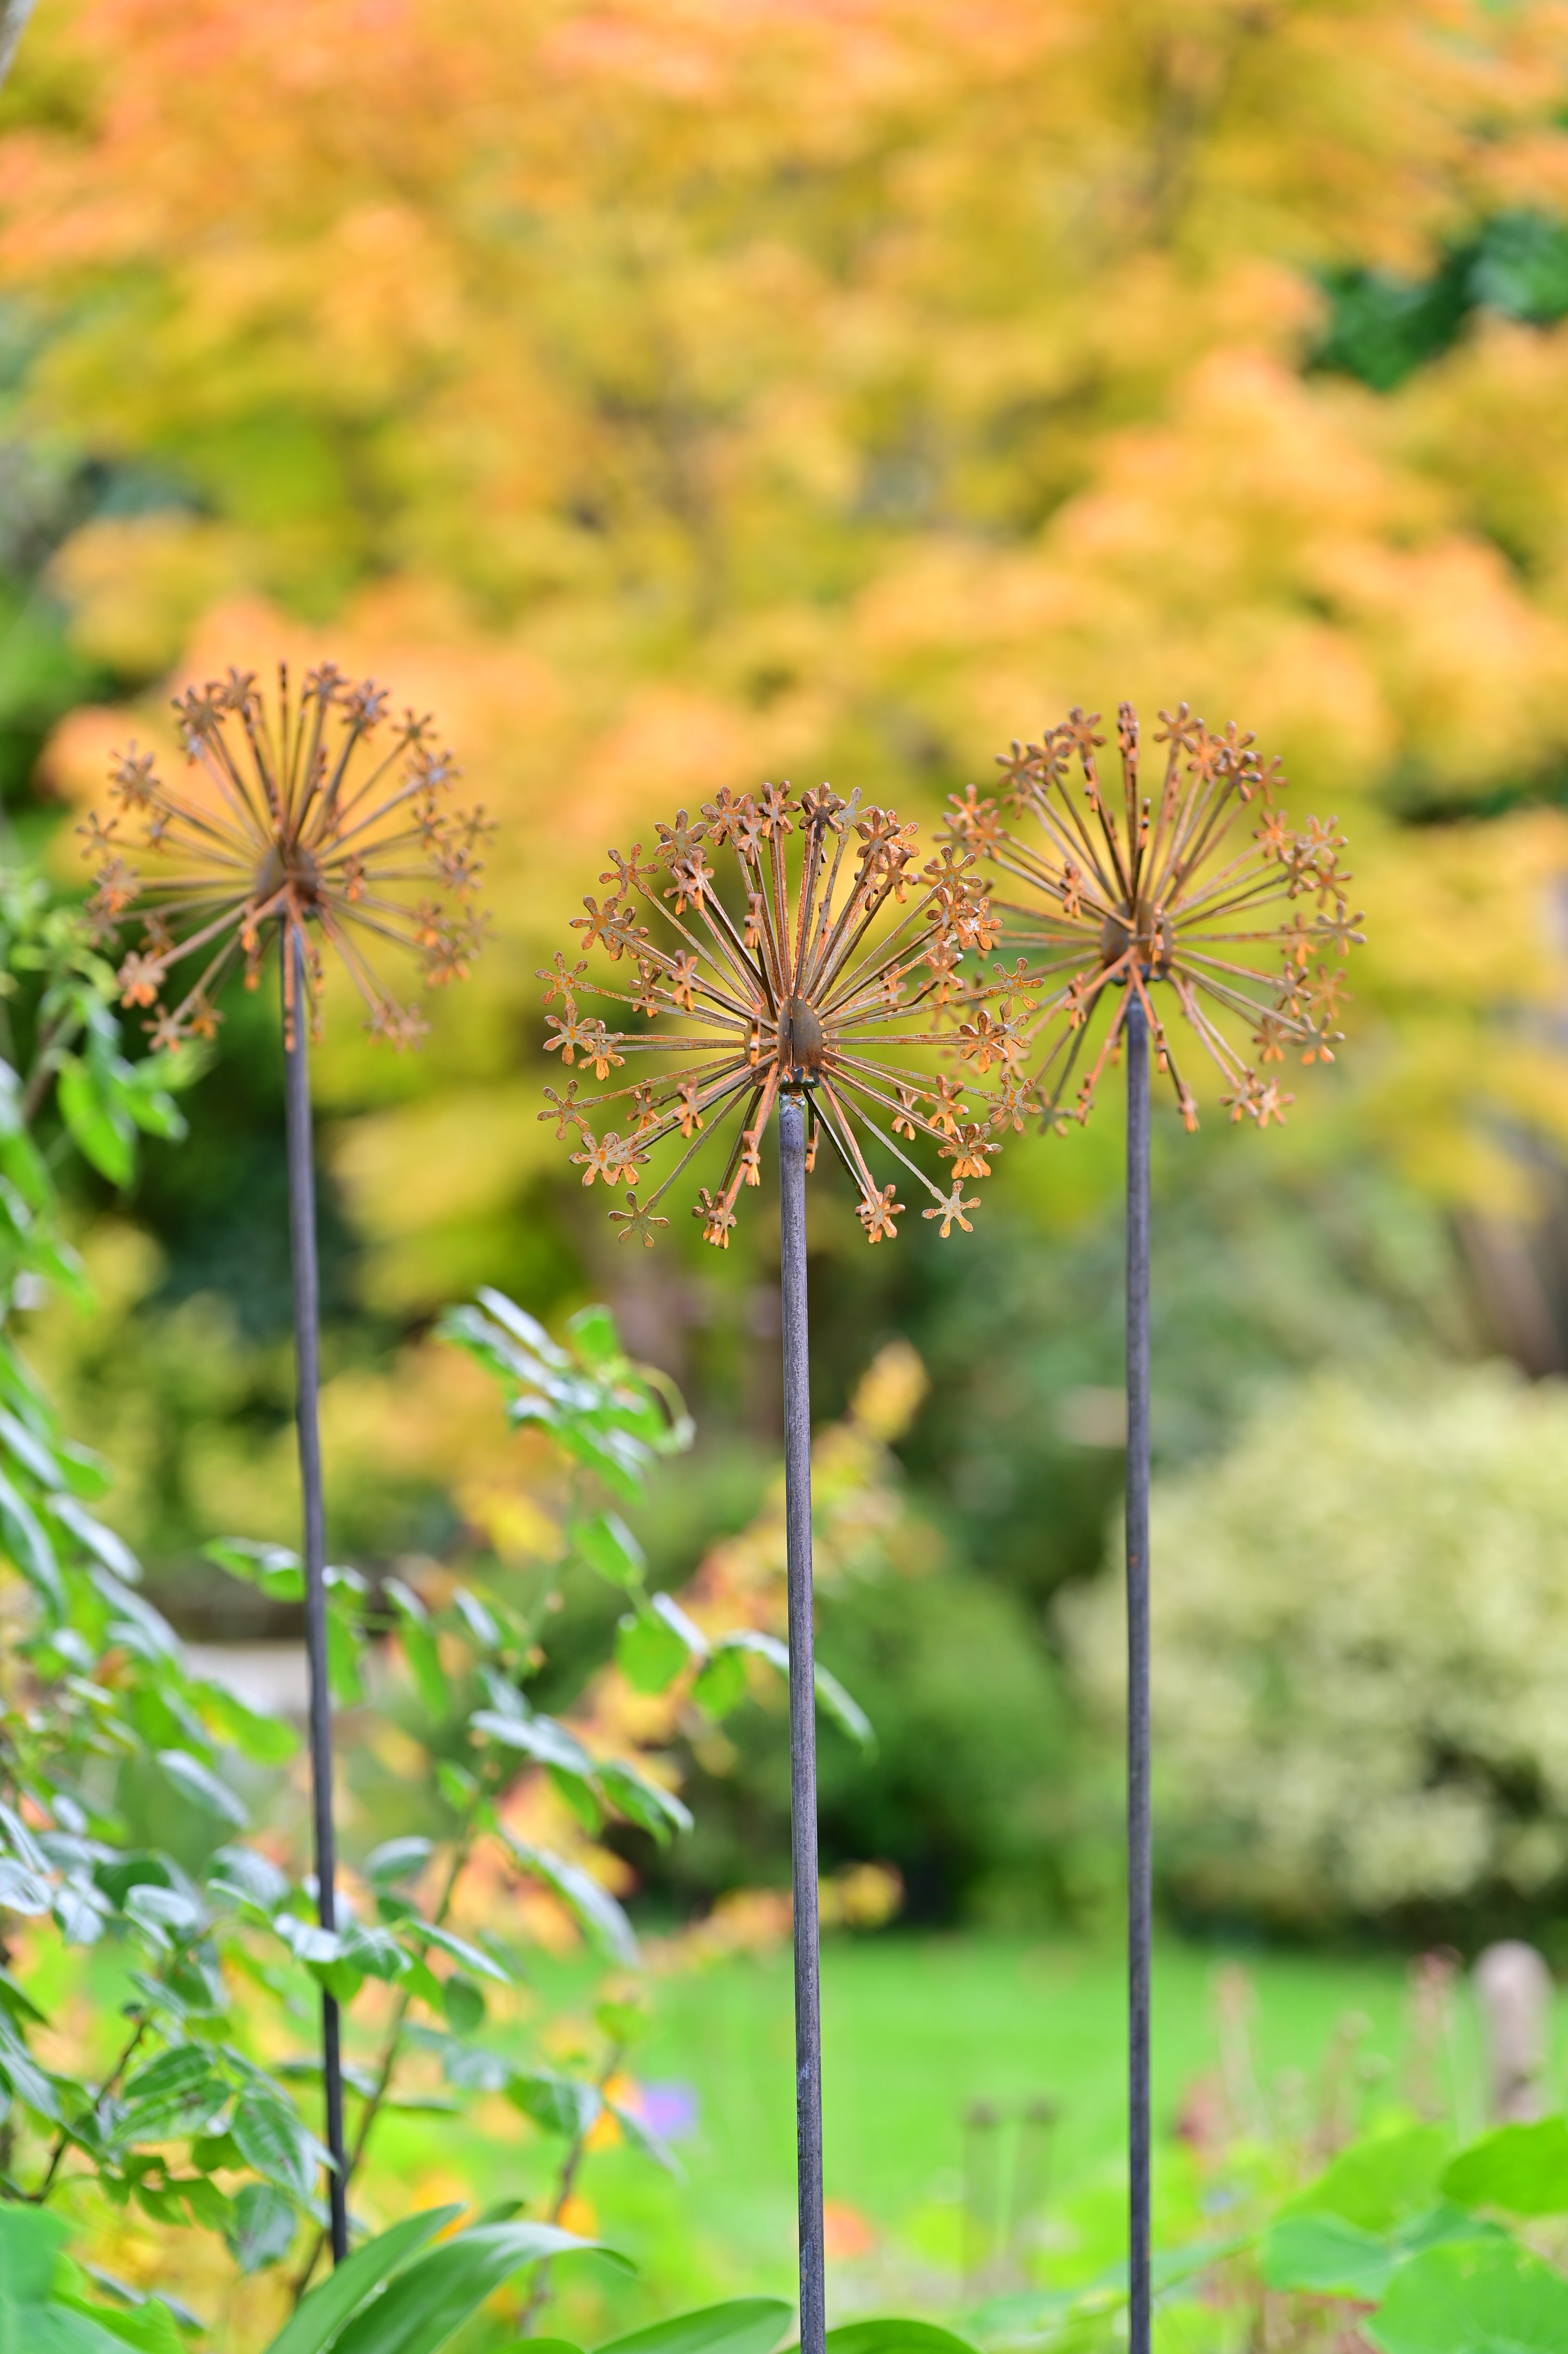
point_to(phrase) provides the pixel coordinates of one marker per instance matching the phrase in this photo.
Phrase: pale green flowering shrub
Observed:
(1360, 1649)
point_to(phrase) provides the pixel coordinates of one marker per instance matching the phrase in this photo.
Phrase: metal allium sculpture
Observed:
(1190, 890)
(804, 975)
(320, 815)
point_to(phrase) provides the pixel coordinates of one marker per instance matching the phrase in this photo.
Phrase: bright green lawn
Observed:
(915, 2030)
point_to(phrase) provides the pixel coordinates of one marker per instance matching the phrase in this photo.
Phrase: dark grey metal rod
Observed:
(1139, 1841)
(802, 1720)
(307, 1379)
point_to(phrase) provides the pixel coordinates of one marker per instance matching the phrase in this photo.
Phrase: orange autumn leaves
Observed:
(764, 394)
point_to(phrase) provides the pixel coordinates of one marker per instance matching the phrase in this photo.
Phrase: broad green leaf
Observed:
(148, 2324)
(179, 2093)
(28, 1545)
(645, 2142)
(896, 2338)
(423, 2307)
(649, 1653)
(32, 2321)
(1325, 2254)
(1376, 2181)
(22, 1891)
(22, 2072)
(101, 1129)
(265, 1740)
(596, 1339)
(199, 1783)
(746, 2324)
(396, 1859)
(1521, 2168)
(463, 2003)
(102, 1542)
(274, 1568)
(271, 2138)
(720, 1685)
(1485, 2297)
(844, 1708)
(471, 1958)
(521, 1327)
(539, 1737)
(265, 2221)
(321, 2315)
(255, 1877)
(641, 1800)
(593, 1907)
(607, 1545)
(424, 1659)
(556, 2104)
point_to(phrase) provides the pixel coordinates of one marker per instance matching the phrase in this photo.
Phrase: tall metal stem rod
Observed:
(802, 1720)
(307, 1376)
(1139, 1841)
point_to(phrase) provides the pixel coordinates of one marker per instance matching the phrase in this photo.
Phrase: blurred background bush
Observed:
(672, 398)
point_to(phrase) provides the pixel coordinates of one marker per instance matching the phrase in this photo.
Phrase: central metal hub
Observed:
(298, 868)
(1154, 939)
(802, 1042)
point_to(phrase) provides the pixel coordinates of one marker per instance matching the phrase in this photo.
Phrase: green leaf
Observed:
(471, 1958)
(28, 1545)
(649, 1653)
(255, 1877)
(263, 2231)
(266, 1740)
(200, 1782)
(641, 1800)
(556, 2104)
(1488, 2297)
(100, 1129)
(896, 2338)
(645, 2142)
(1376, 2181)
(607, 1545)
(274, 1568)
(463, 2003)
(273, 2139)
(596, 1339)
(425, 2305)
(320, 2316)
(846, 1712)
(593, 1907)
(424, 1659)
(539, 1737)
(1521, 2168)
(746, 2324)
(720, 1685)
(179, 2093)
(32, 2321)
(148, 2324)
(396, 1859)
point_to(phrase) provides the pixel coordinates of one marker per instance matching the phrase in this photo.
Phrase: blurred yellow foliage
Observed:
(670, 396)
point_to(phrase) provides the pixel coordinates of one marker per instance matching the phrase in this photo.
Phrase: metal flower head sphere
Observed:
(817, 959)
(1174, 887)
(318, 814)
(318, 819)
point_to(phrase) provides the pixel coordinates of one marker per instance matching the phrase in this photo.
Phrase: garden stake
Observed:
(1139, 1842)
(307, 1390)
(802, 1719)
(284, 823)
(1117, 903)
(778, 1007)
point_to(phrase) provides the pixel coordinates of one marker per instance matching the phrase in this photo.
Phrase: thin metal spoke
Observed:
(307, 1364)
(803, 1720)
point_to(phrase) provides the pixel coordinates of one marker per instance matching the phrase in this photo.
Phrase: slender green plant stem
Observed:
(566, 2182)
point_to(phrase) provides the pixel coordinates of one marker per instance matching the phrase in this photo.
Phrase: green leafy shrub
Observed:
(1361, 1646)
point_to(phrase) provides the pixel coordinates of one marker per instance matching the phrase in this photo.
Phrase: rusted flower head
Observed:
(1202, 887)
(319, 813)
(810, 964)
